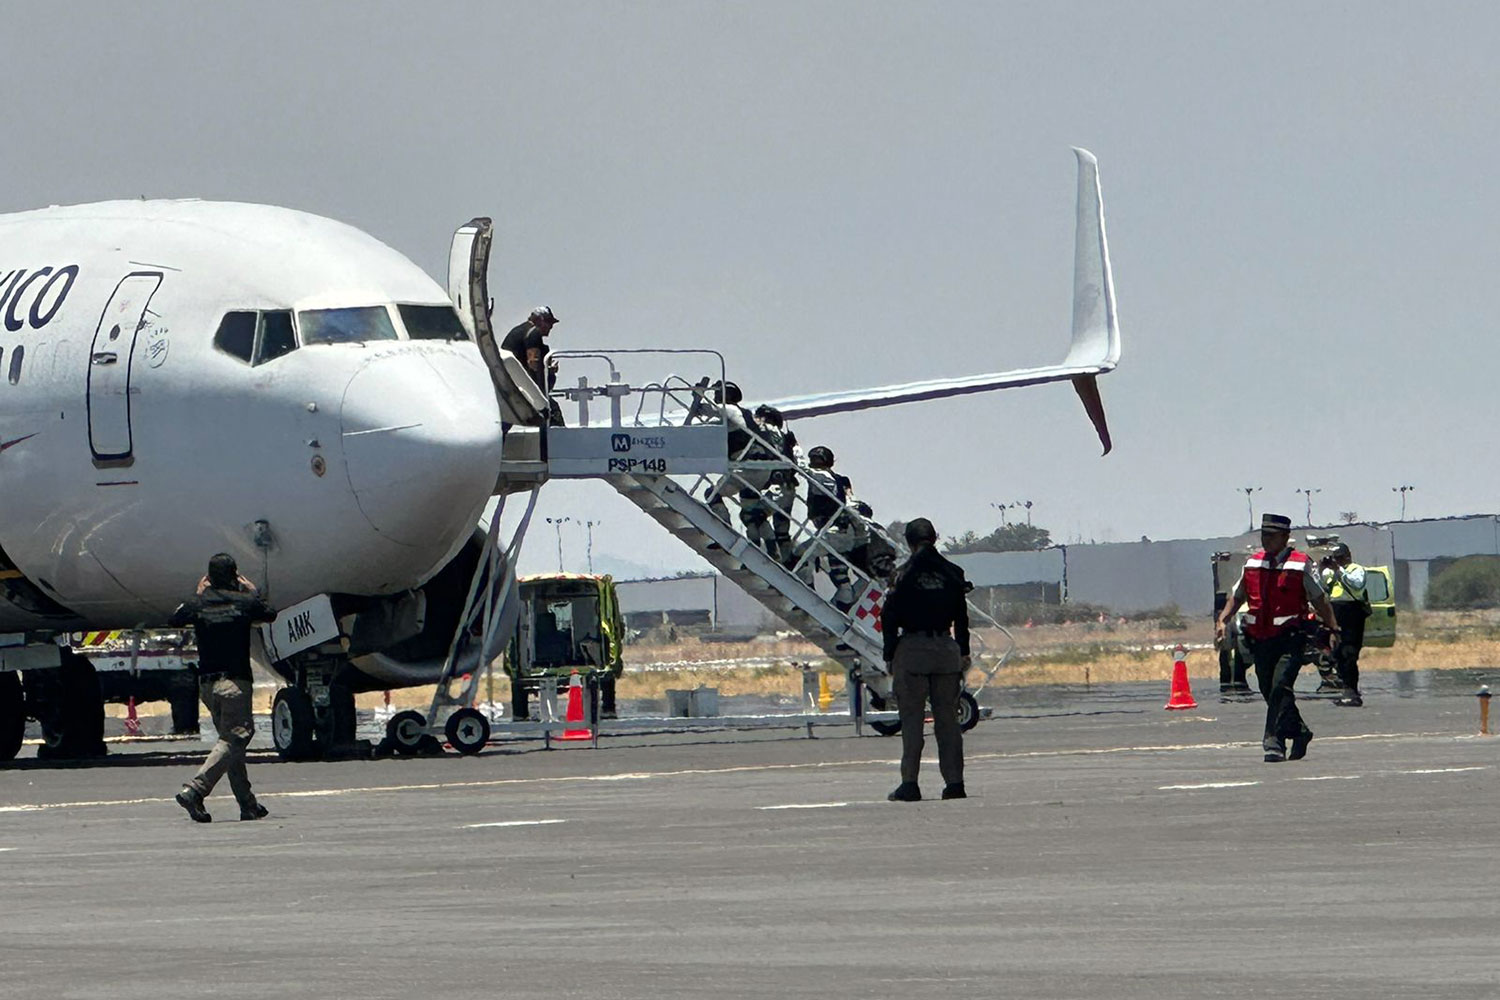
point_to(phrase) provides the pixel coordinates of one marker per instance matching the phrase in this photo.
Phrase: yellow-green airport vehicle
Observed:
(568, 622)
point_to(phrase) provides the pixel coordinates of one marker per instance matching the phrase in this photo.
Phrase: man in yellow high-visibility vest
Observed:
(1345, 580)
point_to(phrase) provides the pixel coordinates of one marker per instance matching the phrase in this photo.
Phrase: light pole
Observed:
(558, 522)
(589, 526)
(1027, 505)
(1403, 490)
(1001, 507)
(1308, 492)
(1250, 507)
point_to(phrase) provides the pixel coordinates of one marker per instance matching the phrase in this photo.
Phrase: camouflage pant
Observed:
(228, 702)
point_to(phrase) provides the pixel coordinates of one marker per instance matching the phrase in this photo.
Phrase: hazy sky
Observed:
(1299, 202)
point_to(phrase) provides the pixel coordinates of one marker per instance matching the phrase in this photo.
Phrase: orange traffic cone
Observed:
(575, 711)
(132, 724)
(1182, 692)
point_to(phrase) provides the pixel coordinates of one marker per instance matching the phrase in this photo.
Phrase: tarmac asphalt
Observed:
(1109, 849)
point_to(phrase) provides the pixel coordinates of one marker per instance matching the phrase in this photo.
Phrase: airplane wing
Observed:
(1095, 349)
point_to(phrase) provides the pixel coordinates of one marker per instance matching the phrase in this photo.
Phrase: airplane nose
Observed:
(421, 439)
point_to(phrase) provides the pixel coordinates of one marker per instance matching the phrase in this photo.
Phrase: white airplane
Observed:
(179, 378)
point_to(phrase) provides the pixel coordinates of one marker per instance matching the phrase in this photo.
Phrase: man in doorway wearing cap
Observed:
(925, 628)
(1277, 586)
(1345, 580)
(528, 342)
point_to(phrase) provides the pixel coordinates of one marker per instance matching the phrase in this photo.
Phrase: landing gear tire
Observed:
(342, 716)
(12, 715)
(968, 711)
(467, 730)
(406, 734)
(292, 724)
(184, 703)
(607, 707)
(75, 728)
(878, 704)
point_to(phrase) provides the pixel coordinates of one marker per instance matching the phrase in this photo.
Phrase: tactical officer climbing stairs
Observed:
(761, 576)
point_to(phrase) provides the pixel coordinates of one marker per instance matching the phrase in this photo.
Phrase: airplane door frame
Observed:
(111, 356)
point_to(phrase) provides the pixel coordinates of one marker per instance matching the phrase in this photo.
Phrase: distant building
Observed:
(705, 599)
(1130, 577)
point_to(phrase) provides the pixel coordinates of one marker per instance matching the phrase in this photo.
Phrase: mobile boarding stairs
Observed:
(663, 444)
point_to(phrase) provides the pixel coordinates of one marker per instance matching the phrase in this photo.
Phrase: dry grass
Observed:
(1078, 653)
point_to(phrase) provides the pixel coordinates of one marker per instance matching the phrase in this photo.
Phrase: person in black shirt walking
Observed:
(221, 614)
(925, 628)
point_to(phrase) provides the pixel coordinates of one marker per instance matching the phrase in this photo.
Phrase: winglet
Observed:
(1093, 351)
(1096, 327)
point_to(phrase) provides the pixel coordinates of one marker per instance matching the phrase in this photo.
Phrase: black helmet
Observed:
(727, 392)
(863, 508)
(920, 530)
(766, 413)
(821, 456)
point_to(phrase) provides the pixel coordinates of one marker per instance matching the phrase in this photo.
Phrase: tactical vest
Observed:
(821, 506)
(1274, 594)
(1337, 591)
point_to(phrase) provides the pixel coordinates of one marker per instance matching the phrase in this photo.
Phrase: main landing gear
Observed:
(313, 717)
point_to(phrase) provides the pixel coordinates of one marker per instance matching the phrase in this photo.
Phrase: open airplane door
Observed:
(521, 402)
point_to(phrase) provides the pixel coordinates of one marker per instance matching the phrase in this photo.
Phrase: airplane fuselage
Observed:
(183, 378)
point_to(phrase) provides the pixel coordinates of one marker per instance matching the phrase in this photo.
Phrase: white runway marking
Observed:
(1206, 784)
(807, 805)
(515, 822)
(1330, 777)
(883, 762)
(1444, 770)
(4, 849)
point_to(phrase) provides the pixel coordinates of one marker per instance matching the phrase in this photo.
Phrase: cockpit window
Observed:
(345, 326)
(276, 337)
(236, 335)
(432, 323)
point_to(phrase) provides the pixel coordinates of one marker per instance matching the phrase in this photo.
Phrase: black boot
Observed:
(190, 800)
(907, 791)
(955, 791)
(254, 811)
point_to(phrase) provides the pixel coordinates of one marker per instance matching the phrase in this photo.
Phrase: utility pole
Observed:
(558, 522)
(1249, 506)
(1403, 490)
(1308, 492)
(589, 526)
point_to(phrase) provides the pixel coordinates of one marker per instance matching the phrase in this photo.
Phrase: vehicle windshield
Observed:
(345, 326)
(432, 323)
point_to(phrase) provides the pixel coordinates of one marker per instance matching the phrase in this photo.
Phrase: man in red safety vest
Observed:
(1276, 587)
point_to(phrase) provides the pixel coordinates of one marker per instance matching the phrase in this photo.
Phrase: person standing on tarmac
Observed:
(1345, 580)
(925, 632)
(221, 614)
(1277, 586)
